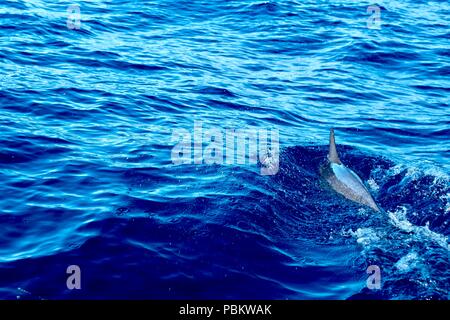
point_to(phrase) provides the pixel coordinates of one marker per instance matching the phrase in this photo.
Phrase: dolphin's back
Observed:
(346, 182)
(343, 180)
(349, 178)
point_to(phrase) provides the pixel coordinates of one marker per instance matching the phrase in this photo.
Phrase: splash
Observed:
(398, 219)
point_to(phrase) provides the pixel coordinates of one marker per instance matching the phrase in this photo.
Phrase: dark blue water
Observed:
(86, 121)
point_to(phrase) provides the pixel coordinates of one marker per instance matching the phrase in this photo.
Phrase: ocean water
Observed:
(88, 109)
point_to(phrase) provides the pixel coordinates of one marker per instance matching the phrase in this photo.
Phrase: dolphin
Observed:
(343, 180)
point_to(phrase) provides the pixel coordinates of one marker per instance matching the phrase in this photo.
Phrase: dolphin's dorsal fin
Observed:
(332, 154)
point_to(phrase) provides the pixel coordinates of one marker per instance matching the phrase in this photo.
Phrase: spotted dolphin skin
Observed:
(345, 181)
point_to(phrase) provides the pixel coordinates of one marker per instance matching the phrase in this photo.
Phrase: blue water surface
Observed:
(87, 114)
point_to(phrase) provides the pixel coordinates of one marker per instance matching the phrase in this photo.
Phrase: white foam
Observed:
(373, 185)
(407, 262)
(421, 168)
(398, 219)
(446, 198)
(364, 236)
